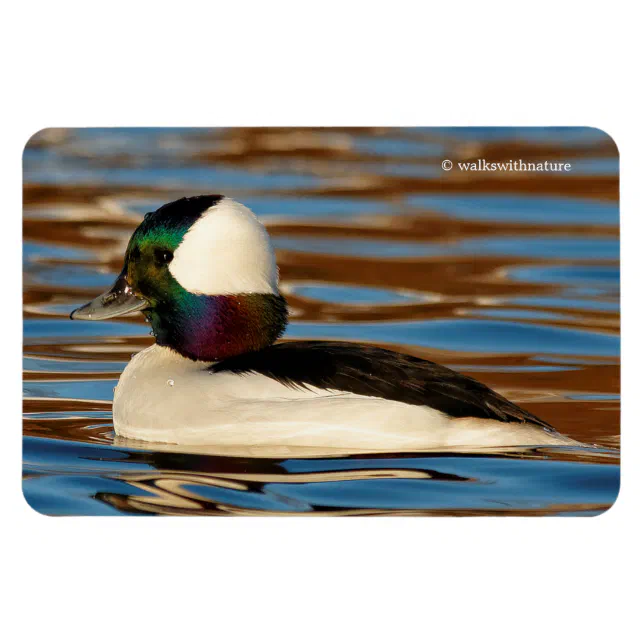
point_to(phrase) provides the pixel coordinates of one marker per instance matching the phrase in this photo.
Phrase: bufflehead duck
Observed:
(202, 270)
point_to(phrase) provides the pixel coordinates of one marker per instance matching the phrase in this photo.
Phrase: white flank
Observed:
(224, 409)
(226, 251)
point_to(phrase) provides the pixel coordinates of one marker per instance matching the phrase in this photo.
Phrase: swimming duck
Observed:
(203, 272)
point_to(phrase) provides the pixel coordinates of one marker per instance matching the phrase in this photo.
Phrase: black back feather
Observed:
(372, 371)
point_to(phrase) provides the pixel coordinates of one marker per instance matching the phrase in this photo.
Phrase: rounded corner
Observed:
(608, 136)
(604, 512)
(38, 134)
(31, 506)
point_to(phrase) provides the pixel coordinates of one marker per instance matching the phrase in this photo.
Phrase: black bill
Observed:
(119, 300)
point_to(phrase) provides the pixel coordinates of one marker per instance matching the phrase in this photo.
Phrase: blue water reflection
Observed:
(532, 209)
(468, 335)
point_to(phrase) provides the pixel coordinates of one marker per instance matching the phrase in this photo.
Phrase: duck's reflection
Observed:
(183, 483)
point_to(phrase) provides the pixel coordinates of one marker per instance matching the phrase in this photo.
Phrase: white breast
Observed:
(165, 398)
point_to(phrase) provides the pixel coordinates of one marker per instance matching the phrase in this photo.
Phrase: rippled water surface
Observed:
(510, 277)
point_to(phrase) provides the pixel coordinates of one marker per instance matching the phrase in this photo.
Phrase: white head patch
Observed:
(226, 251)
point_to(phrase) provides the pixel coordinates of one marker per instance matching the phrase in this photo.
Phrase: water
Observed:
(510, 278)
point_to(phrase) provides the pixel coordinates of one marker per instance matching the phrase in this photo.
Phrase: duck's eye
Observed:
(162, 256)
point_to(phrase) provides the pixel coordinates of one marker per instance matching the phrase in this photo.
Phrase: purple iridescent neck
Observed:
(215, 327)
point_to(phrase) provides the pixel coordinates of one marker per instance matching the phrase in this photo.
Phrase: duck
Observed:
(203, 272)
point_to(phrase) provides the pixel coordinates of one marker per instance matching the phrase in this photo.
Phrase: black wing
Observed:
(372, 371)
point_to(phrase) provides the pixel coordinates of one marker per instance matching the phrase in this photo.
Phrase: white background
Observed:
(330, 63)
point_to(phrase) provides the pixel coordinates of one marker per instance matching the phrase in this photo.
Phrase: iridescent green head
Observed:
(202, 270)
